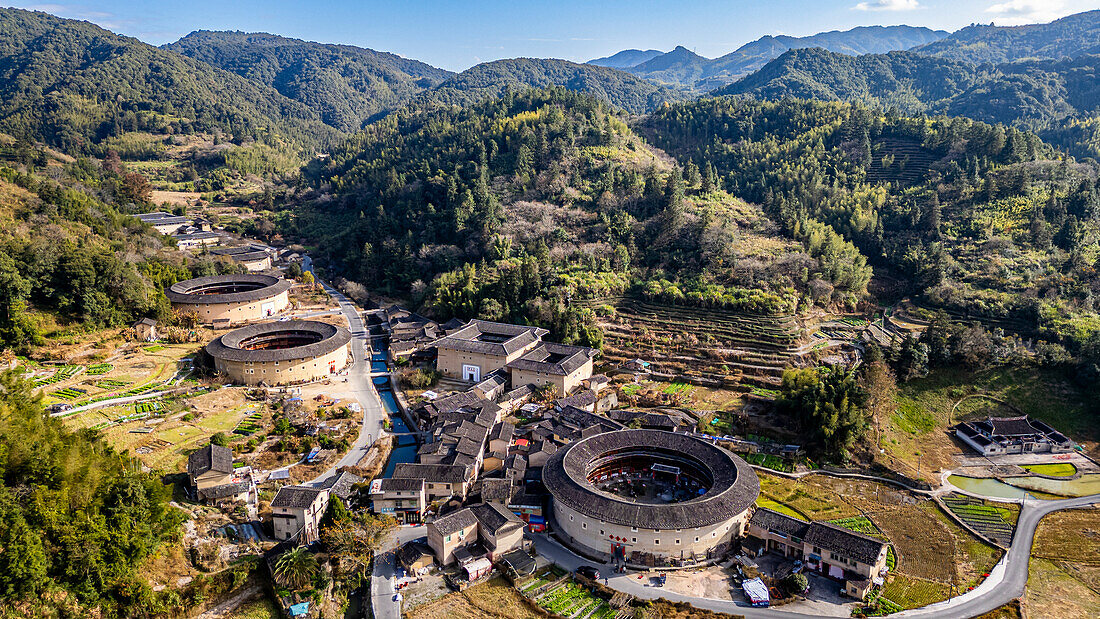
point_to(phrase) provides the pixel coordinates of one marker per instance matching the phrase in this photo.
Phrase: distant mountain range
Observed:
(489, 79)
(1063, 38)
(347, 85)
(626, 58)
(1039, 95)
(681, 68)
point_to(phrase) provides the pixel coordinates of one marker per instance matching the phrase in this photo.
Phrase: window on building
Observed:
(634, 539)
(634, 529)
(584, 525)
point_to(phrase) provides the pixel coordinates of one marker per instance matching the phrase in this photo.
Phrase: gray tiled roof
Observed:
(492, 338)
(494, 518)
(557, 359)
(185, 291)
(774, 521)
(343, 485)
(502, 431)
(210, 458)
(454, 522)
(296, 496)
(228, 346)
(844, 542)
(496, 489)
(224, 490)
(397, 484)
(438, 473)
(733, 489)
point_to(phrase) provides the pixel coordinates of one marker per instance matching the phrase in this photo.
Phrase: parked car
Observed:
(588, 572)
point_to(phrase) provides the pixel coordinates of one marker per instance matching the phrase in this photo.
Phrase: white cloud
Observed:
(888, 5)
(1016, 12)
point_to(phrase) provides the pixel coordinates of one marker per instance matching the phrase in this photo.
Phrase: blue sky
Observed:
(456, 35)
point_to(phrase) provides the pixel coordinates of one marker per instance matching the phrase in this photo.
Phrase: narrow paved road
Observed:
(360, 387)
(383, 606)
(1005, 583)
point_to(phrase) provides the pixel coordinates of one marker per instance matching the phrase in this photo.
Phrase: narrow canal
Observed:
(405, 448)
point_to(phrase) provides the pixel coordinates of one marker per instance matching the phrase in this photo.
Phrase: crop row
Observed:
(63, 373)
(69, 393)
(860, 524)
(99, 369)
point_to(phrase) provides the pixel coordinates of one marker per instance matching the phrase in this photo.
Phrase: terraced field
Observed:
(714, 342)
(995, 523)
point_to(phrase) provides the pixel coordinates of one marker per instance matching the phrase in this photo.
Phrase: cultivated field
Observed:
(495, 598)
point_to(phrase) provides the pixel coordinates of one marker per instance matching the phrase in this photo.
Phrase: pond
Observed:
(1020, 486)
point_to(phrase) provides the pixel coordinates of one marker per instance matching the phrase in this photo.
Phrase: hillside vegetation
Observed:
(1062, 38)
(1057, 98)
(73, 85)
(990, 224)
(611, 86)
(346, 85)
(507, 209)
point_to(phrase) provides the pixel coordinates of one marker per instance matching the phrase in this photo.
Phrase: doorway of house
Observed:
(471, 373)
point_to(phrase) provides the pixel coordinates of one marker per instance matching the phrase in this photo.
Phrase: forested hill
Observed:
(687, 70)
(73, 84)
(1057, 98)
(346, 85)
(981, 220)
(490, 79)
(516, 208)
(1067, 37)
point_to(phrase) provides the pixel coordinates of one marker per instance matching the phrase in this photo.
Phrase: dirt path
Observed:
(233, 602)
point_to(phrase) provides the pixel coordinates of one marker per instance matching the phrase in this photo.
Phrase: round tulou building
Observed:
(638, 495)
(279, 353)
(231, 299)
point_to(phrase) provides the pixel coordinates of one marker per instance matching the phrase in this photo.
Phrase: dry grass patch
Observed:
(495, 598)
(806, 496)
(973, 557)
(924, 545)
(1051, 592)
(1071, 535)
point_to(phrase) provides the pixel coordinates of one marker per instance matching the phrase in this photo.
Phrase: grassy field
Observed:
(779, 507)
(1052, 592)
(927, 406)
(1057, 469)
(1072, 535)
(261, 608)
(925, 548)
(909, 592)
(805, 498)
(973, 557)
(495, 598)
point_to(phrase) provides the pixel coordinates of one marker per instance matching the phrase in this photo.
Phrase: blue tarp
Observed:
(300, 608)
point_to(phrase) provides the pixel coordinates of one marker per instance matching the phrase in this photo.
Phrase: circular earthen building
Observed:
(649, 494)
(231, 299)
(279, 353)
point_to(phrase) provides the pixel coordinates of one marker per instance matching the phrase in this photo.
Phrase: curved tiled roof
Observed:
(228, 346)
(268, 286)
(733, 489)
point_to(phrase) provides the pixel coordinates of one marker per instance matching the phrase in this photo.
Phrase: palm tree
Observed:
(295, 569)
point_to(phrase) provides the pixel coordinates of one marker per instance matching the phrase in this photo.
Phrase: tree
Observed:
(307, 279)
(219, 439)
(795, 584)
(135, 188)
(296, 568)
(827, 404)
(877, 381)
(912, 359)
